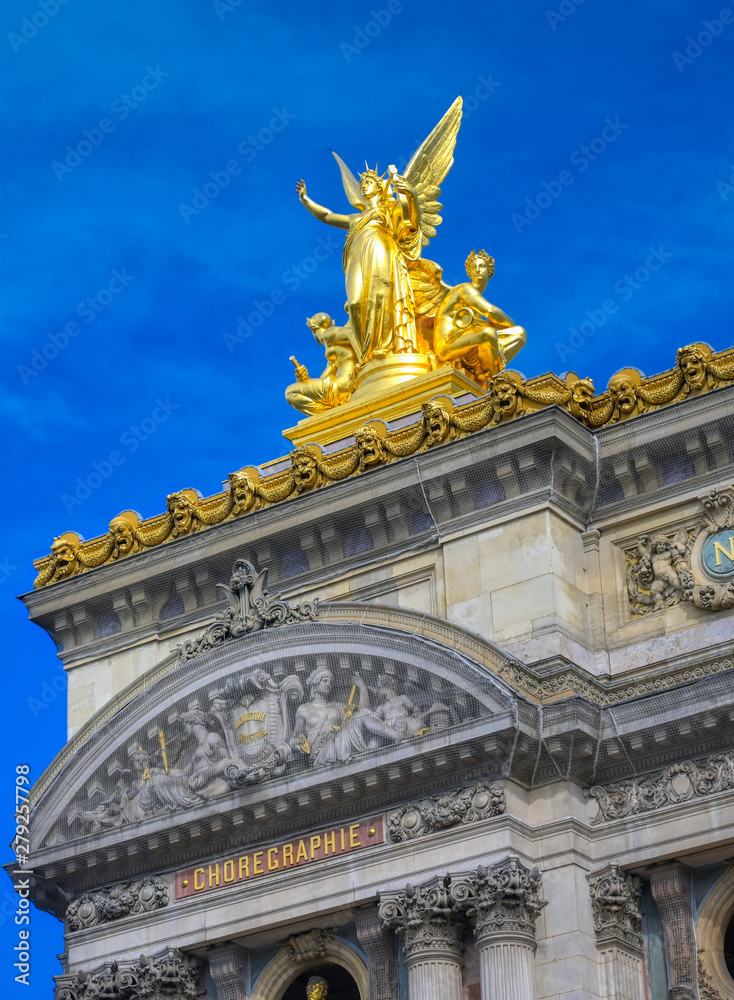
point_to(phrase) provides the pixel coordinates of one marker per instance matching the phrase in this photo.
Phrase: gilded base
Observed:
(385, 399)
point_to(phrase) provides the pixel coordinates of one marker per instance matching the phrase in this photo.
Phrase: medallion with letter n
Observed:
(321, 846)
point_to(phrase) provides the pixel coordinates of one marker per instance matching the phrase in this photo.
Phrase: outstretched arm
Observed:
(319, 212)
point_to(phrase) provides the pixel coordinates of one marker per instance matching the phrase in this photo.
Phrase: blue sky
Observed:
(98, 243)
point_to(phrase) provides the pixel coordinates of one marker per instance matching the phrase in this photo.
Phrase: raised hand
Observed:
(301, 189)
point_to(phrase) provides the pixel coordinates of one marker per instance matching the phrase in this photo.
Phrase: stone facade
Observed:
(479, 746)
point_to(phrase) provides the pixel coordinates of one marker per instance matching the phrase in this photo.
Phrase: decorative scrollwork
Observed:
(466, 805)
(121, 900)
(501, 898)
(169, 974)
(615, 901)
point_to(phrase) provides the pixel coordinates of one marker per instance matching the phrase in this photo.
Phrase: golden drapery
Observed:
(379, 293)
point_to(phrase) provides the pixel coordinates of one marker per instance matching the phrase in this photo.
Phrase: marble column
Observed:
(615, 903)
(502, 903)
(432, 930)
(671, 890)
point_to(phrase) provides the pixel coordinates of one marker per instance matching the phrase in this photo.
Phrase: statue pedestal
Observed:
(388, 391)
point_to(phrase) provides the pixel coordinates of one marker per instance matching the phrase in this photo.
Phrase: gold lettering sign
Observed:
(280, 857)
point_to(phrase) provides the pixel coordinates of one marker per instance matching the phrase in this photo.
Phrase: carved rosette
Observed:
(170, 974)
(426, 918)
(615, 901)
(466, 805)
(503, 899)
(121, 900)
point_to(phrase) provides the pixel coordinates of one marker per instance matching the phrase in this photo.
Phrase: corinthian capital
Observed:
(169, 975)
(615, 900)
(426, 918)
(501, 899)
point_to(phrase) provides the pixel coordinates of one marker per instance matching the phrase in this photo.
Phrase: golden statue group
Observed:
(404, 320)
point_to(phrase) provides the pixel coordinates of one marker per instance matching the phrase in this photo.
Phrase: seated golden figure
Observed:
(335, 384)
(469, 330)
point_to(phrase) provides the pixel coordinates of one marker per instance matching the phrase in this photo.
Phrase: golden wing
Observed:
(429, 288)
(429, 165)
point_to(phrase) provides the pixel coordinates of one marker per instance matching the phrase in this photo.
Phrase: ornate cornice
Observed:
(250, 609)
(628, 395)
(121, 900)
(690, 779)
(426, 918)
(169, 974)
(465, 805)
(615, 901)
(499, 900)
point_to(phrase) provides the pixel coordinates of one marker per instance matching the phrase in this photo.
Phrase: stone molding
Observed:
(690, 779)
(94, 908)
(711, 924)
(309, 946)
(250, 609)
(706, 987)
(228, 969)
(427, 919)
(671, 890)
(465, 805)
(379, 947)
(169, 974)
(500, 900)
(615, 902)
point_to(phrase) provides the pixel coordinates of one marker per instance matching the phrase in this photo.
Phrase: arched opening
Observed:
(342, 985)
(729, 947)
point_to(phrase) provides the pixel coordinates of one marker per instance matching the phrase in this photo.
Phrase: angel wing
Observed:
(429, 288)
(351, 184)
(429, 165)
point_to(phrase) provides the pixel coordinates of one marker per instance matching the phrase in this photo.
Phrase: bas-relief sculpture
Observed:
(255, 727)
(660, 569)
(508, 396)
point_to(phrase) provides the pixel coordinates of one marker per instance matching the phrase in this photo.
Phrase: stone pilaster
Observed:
(671, 890)
(379, 948)
(430, 925)
(168, 975)
(228, 969)
(502, 902)
(615, 903)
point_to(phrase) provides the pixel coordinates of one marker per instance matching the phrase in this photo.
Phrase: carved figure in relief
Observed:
(623, 393)
(209, 759)
(182, 508)
(305, 465)
(336, 383)
(397, 711)
(655, 578)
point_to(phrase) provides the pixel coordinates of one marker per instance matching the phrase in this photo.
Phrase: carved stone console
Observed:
(502, 903)
(228, 969)
(671, 890)
(431, 927)
(615, 903)
(379, 947)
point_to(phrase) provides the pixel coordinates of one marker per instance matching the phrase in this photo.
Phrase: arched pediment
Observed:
(269, 720)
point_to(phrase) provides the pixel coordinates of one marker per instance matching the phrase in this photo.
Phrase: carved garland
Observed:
(467, 805)
(509, 395)
(122, 900)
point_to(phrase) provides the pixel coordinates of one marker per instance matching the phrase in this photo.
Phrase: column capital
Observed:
(169, 974)
(615, 902)
(427, 919)
(503, 899)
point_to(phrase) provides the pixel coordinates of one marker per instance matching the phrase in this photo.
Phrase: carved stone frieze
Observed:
(308, 946)
(693, 564)
(509, 395)
(681, 782)
(121, 900)
(250, 608)
(500, 899)
(170, 974)
(615, 901)
(426, 918)
(466, 805)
